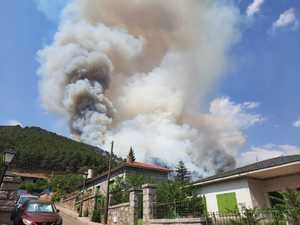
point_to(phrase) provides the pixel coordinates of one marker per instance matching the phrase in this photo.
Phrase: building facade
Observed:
(250, 186)
(150, 172)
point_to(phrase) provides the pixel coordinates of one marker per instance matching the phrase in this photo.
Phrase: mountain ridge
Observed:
(39, 149)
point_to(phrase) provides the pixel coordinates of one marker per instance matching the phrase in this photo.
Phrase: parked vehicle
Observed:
(38, 212)
(23, 198)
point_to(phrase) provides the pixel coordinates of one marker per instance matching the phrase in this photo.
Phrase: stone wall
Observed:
(183, 221)
(127, 213)
(8, 197)
(119, 215)
(69, 202)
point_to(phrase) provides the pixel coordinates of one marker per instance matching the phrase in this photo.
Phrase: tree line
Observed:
(38, 149)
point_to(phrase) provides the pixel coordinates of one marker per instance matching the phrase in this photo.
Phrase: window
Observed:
(227, 202)
(275, 198)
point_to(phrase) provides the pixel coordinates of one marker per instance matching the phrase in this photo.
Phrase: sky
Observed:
(264, 68)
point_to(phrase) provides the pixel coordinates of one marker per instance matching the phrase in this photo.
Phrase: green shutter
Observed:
(227, 202)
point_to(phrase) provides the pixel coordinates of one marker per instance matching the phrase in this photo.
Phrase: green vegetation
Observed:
(38, 149)
(182, 174)
(98, 212)
(36, 187)
(131, 155)
(289, 204)
(65, 184)
(120, 188)
(60, 184)
(96, 217)
(176, 200)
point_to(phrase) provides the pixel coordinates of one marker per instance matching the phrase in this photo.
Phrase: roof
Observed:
(135, 165)
(30, 175)
(243, 171)
(147, 166)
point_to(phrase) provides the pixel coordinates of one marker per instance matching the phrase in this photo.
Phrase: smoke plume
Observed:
(138, 71)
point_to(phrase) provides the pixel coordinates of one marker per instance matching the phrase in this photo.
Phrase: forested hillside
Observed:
(38, 149)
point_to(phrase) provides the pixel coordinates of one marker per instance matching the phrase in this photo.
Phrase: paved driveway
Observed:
(70, 218)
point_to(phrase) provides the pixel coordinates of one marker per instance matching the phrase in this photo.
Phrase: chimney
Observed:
(90, 174)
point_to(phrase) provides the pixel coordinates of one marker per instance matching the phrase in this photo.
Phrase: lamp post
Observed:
(7, 158)
(82, 193)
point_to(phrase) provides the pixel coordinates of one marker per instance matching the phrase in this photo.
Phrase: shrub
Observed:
(96, 217)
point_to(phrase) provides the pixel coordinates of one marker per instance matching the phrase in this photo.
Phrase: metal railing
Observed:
(253, 217)
(183, 209)
(188, 209)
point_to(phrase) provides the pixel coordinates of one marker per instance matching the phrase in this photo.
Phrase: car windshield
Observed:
(40, 208)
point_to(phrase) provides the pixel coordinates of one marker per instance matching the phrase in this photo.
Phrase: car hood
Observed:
(41, 217)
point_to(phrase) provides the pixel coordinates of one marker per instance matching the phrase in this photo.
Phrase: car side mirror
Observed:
(57, 210)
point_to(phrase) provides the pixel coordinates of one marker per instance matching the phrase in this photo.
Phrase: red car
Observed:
(37, 212)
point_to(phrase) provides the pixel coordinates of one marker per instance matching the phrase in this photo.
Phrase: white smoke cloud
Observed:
(254, 7)
(13, 123)
(264, 152)
(137, 72)
(204, 142)
(297, 123)
(287, 18)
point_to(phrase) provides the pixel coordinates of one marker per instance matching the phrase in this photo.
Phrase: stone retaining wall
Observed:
(127, 213)
(119, 214)
(8, 197)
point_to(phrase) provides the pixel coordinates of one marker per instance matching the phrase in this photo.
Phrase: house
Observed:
(252, 185)
(29, 177)
(129, 168)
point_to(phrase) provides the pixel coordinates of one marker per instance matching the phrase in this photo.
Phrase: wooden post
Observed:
(108, 181)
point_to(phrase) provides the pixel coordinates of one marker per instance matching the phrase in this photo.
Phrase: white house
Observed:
(130, 168)
(251, 185)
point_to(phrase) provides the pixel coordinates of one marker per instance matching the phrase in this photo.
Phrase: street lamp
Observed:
(8, 157)
(82, 193)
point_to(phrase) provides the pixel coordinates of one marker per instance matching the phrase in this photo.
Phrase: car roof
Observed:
(28, 196)
(40, 201)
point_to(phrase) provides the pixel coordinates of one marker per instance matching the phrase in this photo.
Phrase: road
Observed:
(69, 220)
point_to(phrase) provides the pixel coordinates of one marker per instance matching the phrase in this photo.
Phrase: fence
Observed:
(118, 197)
(183, 209)
(143, 207)
(254, 217)
(188, 209)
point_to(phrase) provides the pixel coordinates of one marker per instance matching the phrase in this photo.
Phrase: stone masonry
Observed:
(149, 199)
(8, 197)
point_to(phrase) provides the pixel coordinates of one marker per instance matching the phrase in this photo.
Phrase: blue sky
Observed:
(264, 67)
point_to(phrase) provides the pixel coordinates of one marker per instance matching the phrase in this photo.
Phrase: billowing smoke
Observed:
(138, 71)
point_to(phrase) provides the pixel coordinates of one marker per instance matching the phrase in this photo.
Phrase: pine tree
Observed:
(131, 156)
(182, 173)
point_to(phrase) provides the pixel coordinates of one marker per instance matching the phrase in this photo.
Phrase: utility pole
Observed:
(82, 195)
(108, 182)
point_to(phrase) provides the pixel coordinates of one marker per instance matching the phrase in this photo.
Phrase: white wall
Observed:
(240, 187)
